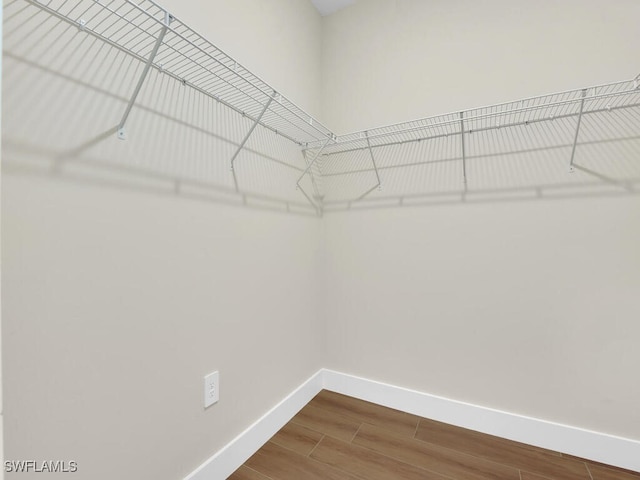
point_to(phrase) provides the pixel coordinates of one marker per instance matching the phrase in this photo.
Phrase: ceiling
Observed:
(327, 7)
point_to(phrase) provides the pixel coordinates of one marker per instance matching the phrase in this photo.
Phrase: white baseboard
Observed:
(234, 454)
(599, 447)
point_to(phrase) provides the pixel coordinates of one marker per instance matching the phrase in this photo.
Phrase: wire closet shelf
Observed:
(160, 41)
(571, 103)
(151, 34)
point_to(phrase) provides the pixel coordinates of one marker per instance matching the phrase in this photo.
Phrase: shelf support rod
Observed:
(373, 160)
(246, 138)
(316, 191)
(464, 154)
(313, 160)
(122, 135)
(575, 139)
(375, 169)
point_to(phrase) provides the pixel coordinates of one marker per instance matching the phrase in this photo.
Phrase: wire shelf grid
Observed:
(440, 153)
(135, 27)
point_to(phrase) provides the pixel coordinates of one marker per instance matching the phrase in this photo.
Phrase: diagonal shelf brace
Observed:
(122, 135)
(373, 160)
(316, 190)
(575, 139)
(246, 138)
(313, 160)
(375, 167)
(311, 163)
(464, 153)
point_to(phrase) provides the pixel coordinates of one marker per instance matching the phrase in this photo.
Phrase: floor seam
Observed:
(307, 427)
(354, 435)
(259, 472)
(588, 470)
(415, 432)
(315, 446)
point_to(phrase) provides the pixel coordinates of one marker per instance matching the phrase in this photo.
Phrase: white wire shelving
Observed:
(149, 33)
(459, 153)
(560, 121)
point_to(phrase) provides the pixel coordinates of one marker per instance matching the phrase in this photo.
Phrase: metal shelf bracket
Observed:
(464, 154)
(246, 138)
(316, 190)
(308, 169)
(121, 132)
(575, 139)
(375, 168)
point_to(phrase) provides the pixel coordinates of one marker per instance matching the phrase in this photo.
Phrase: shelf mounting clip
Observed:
(121, 132)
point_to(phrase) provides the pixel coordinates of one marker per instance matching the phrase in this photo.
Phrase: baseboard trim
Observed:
(596, 446)
(233, 455)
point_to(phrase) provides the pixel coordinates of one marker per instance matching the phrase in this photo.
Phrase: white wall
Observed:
(279, 41)
(119, 294)
(113, 295)
(1, 383)
(387, 61)
(528, 307)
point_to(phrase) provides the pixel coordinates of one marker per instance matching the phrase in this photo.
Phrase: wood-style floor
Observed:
(336, 437)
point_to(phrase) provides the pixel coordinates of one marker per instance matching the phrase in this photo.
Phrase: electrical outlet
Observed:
(211, 389)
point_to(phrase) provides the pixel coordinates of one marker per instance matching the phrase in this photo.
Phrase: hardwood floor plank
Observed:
(436, 459)
(367, 464)
(280, 463)
(591, 463)
(297, 438)
(502, 451)
(327, 423)
(533, 476)
(336, 437)
(245, 473)
(365, 412)
(601, 472)
(453, 430)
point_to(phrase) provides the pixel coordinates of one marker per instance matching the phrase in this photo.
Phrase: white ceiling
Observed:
(327, 7)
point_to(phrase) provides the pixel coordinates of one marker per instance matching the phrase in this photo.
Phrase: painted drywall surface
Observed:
(529, 307)
(1, 409)
(122, 291)
(278, 41)
(388, 61)
(116, 304)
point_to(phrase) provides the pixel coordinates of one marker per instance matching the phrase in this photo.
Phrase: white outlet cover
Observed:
(211, 389)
